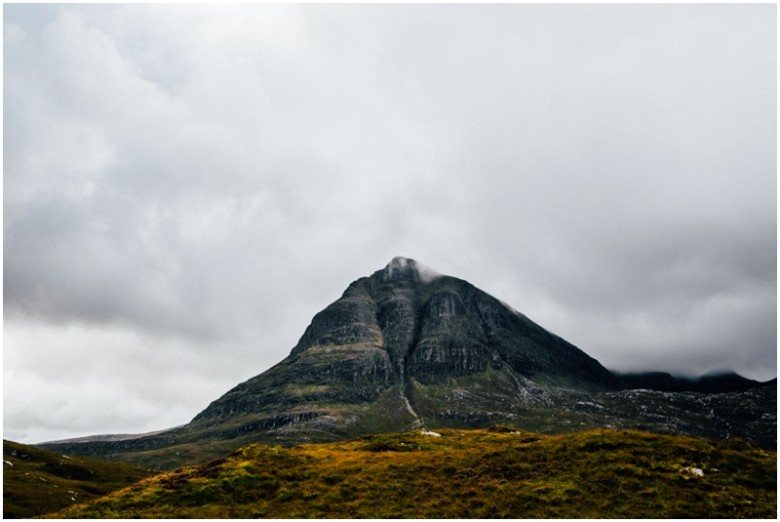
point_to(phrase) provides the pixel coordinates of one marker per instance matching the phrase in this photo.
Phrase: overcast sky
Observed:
(185, 187)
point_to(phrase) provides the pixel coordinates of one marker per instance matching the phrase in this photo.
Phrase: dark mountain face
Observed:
(408, 348)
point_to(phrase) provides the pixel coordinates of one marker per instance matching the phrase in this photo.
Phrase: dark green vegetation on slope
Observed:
(37, 481)
(465, 474)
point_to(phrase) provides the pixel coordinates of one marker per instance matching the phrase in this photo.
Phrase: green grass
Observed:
(494, 473)
(37, 481)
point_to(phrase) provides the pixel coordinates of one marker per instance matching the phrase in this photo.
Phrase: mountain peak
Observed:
(401, 266)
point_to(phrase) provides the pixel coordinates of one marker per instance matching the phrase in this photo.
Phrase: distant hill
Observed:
(37, 481)
(495, 473)
(721, 382)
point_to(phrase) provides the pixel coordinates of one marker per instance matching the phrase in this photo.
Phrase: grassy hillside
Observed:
(465, 474)
(37, 481)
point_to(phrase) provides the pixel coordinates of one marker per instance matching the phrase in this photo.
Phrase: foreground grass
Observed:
(465, 474)
(37, 481)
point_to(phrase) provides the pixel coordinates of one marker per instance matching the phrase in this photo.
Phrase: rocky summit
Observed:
(406, 348)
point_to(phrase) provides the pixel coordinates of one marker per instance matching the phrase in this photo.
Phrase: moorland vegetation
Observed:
(489, 473)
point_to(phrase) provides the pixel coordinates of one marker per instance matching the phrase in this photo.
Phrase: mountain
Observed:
(37, 481)
(474, 474)
(399, 332)
(408, 348)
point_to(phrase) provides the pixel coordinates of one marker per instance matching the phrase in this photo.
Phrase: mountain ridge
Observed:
(712, 382)
(407, 347)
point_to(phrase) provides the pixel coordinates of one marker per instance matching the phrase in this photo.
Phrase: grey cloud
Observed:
(204, 179)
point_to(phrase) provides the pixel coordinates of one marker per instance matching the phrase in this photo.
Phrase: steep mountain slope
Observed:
(407, 348)
(37, 481)
(498, 473)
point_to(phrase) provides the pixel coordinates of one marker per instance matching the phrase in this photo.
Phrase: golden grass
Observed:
(496, 473)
